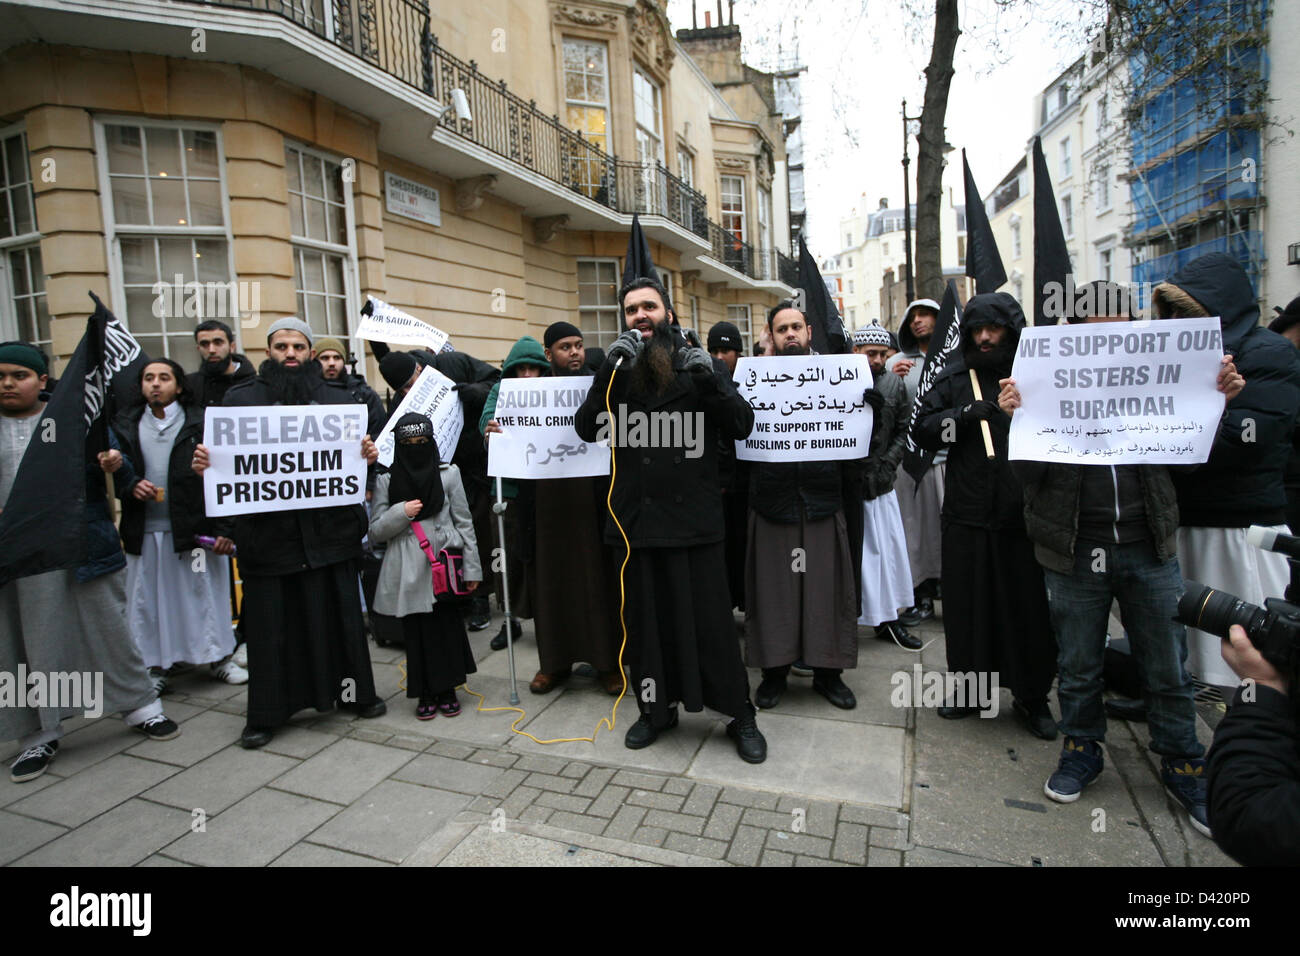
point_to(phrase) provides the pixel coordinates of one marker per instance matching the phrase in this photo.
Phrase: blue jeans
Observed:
(1147, 590)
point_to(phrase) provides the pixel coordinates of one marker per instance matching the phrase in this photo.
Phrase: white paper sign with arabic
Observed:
(537, 439)
(806, 407)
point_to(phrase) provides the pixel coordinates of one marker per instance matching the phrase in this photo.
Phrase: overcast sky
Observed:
(863, 57)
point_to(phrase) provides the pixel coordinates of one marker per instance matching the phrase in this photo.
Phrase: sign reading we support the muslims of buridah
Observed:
(433, 394)
(1118, 393)
(283, 458)
(806, 407)
(537, 439)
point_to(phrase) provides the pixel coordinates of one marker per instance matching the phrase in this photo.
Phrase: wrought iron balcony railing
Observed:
(395, 36)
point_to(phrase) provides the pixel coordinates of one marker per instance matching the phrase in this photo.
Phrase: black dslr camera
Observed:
(1274, 629)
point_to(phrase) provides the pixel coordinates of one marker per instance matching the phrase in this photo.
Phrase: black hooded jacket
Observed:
(184, 490)
(978, 492)
(1242, 483)
(211, 390)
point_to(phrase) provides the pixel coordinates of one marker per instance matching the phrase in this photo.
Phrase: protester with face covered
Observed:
(572, 572)
(920, 503)
(64, 622)
(221, 366)
(420, 489)
(682, 640)
(995, 615)
(302, 607)
(1242, 483)
(179, 610)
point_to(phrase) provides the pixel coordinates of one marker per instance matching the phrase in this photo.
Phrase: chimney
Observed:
(708, 22)
(884, 202)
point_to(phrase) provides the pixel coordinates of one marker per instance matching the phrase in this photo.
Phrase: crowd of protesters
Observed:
(1021, 560)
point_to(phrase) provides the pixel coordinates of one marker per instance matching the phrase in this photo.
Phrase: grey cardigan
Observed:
(405, 579)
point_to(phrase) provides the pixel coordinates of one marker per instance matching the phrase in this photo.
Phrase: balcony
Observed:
(394, 36)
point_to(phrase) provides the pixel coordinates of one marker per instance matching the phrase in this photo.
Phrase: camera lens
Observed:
(1214, 611)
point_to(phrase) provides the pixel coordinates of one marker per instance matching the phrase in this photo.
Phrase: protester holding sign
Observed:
(1242, 483)
(995, 616)
(799, 566)
(300, 567)
(681, 636)
(1106, 533)
(572, 573)
(420, 490)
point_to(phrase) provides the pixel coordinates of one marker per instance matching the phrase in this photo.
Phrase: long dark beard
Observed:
(997, 359)
(218, 368)
(653, 371)
(291, 386)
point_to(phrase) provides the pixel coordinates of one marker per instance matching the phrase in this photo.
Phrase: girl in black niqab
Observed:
(416, 465)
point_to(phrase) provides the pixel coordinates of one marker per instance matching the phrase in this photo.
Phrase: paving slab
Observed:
(201, 736)
(481, 729)
(343, 771)
(298, 740)
(19, 835)
(391, 820)
(311, 855)
(77, 799)
(254, 831)
(829, 759)
(460, 776)
(124, 836)
(484, 847)
(223, 779)
(870, 685)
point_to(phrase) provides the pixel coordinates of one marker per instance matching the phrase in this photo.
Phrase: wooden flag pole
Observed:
(984, 426)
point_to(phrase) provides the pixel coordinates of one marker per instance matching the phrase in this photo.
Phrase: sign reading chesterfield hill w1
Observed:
(283, 458)
(806, 407)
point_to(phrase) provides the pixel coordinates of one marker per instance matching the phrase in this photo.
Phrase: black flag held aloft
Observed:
(43, 525)
(828, 335)
(945, 348)
(983, 262)
(637, 263)
(1051, 257)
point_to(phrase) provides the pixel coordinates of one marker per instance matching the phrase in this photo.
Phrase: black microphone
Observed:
(1270, 540)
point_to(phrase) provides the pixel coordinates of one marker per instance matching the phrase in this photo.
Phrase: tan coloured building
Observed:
(476, 165)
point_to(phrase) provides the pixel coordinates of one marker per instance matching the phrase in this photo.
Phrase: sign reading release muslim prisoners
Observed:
(433, 394)
(283, 458)
(537, 439)
(1132, 393)
(806, 407)
(381, 322)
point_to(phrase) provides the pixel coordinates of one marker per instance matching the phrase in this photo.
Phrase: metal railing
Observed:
(395, 36)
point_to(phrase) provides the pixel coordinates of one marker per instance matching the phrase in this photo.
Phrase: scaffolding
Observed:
(1196, 117)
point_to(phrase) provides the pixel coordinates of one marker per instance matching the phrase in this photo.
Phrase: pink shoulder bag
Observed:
(448, 567)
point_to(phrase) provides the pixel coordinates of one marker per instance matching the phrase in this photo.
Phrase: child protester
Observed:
(420, 489)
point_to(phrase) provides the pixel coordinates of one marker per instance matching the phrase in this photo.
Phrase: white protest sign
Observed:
(387, 323)
(806, 407)
(537, 439)
(432, 395)
(283, 458)
(1112, 393)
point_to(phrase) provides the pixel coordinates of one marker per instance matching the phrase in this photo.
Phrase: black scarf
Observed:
(291, 386)
(416, 475)
(997, 361)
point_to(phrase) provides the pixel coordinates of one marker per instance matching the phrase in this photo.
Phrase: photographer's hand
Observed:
(1248, 663)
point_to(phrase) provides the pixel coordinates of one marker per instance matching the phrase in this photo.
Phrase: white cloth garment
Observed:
(886, 575)
(1220, 558)
(175, 612)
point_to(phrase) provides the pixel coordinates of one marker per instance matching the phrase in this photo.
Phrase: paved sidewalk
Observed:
(876, 786)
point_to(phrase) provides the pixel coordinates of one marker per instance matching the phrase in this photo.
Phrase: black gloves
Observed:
(875, 399)
(980, 411)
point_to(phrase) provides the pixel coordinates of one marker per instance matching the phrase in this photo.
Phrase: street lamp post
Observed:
(911, 126)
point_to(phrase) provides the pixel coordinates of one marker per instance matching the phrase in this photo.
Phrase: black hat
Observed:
(560, 330)
(1287, 317)
(397, 369)
(413, 425)
(724, 336)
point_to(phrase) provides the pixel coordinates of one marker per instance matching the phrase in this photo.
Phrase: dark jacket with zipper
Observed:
(663, 498)
(184, 491)
(211, 390)
(1242, 483)
(288, 542)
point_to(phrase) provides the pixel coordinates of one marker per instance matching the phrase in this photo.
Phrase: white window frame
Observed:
(8, 318)
(1067, 221)
(722, 190)
(1065, 158)
(1104, 249)
(593, 170)
(1016, 249)
(592, 336)
(112, 232)
(351, 288)
(741, 316)
(1103, 189)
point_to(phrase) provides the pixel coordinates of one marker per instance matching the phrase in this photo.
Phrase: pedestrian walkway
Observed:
(876, 786)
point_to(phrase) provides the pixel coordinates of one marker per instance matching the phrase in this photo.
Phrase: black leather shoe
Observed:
(1037, 719)
(923, 610)
(750, 743)
(836, 691)
(516, 632)
(643, 733)
(895, 632)
(480, 614)
(948, 712)
(254, 737)
(1125, 708)
(376, 709)
(769, 692)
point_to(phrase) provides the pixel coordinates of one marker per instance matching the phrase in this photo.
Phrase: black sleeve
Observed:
(724, 404)
(1254, 766)
(584, 419)
(938, 405)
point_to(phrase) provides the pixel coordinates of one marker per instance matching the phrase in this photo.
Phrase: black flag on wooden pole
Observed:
(1051, 257)
(983, 263)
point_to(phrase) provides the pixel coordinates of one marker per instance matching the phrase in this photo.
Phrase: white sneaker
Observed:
(240, 656)
(229, 671)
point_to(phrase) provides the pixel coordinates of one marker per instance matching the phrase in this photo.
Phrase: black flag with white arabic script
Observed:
(944, 343)
(43, 525)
